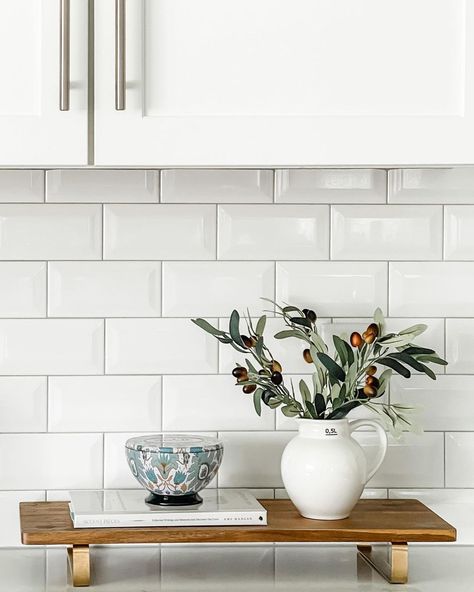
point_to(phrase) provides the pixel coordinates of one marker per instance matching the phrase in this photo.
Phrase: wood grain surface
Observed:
(49, 523)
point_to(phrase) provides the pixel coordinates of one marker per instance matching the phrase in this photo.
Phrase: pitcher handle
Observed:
(383, 442)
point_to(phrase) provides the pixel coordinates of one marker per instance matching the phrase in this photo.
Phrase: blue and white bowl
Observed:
(174, 467)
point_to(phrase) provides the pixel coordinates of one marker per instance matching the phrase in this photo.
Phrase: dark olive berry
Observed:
(373, 328)
(239, 372)
(249, 388)
(266, 396)
(305, 311)
(277, 378)
(371, 370)
(312, 316)
(370, 391)
(246, 341)
(372, 381)
(276, 366)
(356, 339)
(307, 356)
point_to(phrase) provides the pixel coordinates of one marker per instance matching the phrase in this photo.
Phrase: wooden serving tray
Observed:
(396, 522)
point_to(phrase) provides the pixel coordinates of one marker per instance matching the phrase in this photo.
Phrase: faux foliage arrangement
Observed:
(341, 381)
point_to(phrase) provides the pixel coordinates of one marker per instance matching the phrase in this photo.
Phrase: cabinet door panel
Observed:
(33, 130)
(288, 82)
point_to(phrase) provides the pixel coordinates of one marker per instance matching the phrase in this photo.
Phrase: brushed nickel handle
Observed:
(64, 54)
(120, 55)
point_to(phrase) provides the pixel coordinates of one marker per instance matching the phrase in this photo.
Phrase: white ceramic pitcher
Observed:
(325, 470)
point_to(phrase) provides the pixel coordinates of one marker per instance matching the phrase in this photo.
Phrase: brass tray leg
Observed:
(79, 564)
(396, 570)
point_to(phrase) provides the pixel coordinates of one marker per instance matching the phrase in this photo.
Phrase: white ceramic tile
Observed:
(449, 185)
(10, 518)
(104, 403)
(50, 461)
(116, 186)
(117, 473)
(217, 186)
(460, 459)
(330, 186)
(203, 403)
(51, 346)
(458, 232)
(289, 352)
(23, 404)
(50, 231)
(460, 346)
(159, 231)
(431, 289)
(104, 289)
(22, 289)
(252, 459)
(21, 186)
(439, 401)
(333, 288)
(411, 461)
(273, 232)
(386, 232)
(159, 346)
(456, 506)
(215, 289)
(258, 492)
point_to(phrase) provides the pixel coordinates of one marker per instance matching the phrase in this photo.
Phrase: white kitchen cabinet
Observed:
(33, 129)
(286, 82)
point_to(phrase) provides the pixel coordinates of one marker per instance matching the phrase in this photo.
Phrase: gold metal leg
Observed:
(394, 571)
(79, 563)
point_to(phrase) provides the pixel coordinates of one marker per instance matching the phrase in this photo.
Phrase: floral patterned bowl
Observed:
(174, 467)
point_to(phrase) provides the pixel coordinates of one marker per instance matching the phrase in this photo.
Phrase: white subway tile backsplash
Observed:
(411, 461)
(432, 289)
(252, 459)
(158, 346)
(216, 288)
(50, 231)
(10, 517)
(51, 461)
(203, 403)
(102, 186)
(458, 232)
(51, 346)
(217, 186)
(330, 186)
(460, 346)
(334, 288)
(161, 231)
(439, 402)
(460, 459)
(104, 288)
(104, 403)
(273, 232)
(447, 185)
(23, 289)
(23, 403)
(21, 186)
(386, 232)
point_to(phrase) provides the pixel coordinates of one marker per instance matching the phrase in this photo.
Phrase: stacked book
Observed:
(127, 508)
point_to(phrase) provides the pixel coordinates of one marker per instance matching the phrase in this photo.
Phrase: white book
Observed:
(127, 508)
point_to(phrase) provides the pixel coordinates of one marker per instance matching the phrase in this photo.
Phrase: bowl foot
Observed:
(191, 499)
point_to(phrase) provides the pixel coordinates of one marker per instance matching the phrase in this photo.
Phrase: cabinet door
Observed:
(287, 82)
(33, 129)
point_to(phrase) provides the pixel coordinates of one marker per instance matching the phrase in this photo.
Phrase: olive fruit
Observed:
(307, 356)
(249, 388)
(247, 341)
(368, 337)
(369, 391)
(276, 366)
(266, 396)
(312, 316)
(371, 370)
(239, 372)
(305, 311)
(276, 378)
(373, 328)
(372, 381)
(356, 339)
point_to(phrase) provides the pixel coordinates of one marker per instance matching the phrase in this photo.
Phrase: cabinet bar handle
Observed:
(64, 54)
(120, 55)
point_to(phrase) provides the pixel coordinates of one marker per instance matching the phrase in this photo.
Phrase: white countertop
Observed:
(248, 568)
